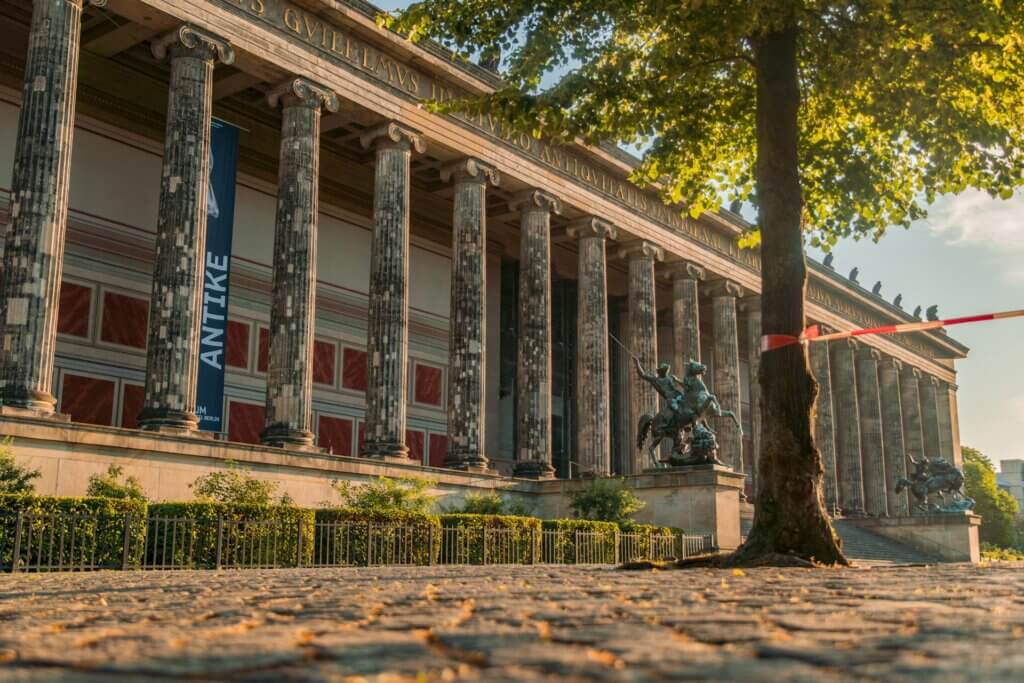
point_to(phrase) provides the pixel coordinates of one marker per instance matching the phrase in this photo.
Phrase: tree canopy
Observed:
(901, 100)
(998, 509)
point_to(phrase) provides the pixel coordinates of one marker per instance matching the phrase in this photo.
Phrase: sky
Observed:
(968, 258)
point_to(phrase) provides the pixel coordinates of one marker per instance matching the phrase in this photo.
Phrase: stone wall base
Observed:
(952, 537)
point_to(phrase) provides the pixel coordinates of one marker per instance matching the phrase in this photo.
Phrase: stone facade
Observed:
(348, 335)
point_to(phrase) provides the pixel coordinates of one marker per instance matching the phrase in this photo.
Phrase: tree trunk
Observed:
(790, 516)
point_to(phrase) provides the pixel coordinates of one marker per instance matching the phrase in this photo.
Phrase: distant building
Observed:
(1011, 478)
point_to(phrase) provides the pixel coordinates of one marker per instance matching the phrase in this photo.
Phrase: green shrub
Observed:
(14, 478)
(387, 495)
(993, 552)
(109, 485)
(264, 535)
(998, 509)
(605, 500)
(489, 503)
(235, 486)
(346, 536)
(579, 540)
(490, 539)
(71, 532)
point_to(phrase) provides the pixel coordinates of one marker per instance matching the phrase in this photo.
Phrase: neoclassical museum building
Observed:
(233, 232)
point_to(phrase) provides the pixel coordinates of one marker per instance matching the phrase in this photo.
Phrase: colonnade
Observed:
(855, 435)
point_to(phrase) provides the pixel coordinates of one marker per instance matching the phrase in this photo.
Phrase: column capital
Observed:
(849, 343)
(869, 353)
(683, 270)
(394, 134)
(896, 363)
(591, 226)
(302, 92)
(470, 170)
(751, 305)
(910, 371)
(724, 287)
(191, 37)
(536, 200)
(641, 249)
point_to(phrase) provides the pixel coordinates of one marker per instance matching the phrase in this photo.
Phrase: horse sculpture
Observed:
(683, 412)
(935, 477)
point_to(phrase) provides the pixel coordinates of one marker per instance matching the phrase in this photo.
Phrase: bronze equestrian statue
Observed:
(936, 476)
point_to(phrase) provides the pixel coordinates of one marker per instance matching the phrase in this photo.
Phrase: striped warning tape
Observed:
(770, 342)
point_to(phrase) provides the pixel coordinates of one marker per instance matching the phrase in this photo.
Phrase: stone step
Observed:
(867, 547)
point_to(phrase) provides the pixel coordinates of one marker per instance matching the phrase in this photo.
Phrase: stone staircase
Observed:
(865, 547)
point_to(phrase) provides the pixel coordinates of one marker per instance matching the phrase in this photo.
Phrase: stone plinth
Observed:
(950, 537)
(698, 499)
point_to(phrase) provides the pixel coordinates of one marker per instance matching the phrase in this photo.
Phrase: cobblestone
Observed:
(944, 623)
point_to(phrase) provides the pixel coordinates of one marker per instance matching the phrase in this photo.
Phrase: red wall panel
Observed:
(125, 320)
(88, 399)
(74, 311)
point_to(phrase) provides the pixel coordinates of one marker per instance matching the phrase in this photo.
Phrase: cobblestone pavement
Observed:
(493, 624)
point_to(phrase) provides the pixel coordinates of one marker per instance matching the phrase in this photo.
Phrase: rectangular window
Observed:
(88, 399)
(237, 355)
(75, 309)
(353, 369)
(132, 400)
(125, 319)
(335, 435)
(324, 354)
(429, 385)
(245, 421)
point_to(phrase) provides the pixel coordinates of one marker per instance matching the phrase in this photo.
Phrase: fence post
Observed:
(298, 545)
(617, 541)
(576, 546)
(220, 539)
(650, 546)
(483, 560)
(127, 540)
(430, 545)
(533, 544)
(369, 544)
(16, 557)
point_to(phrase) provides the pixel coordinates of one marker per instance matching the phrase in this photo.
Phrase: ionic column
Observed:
(387, 331)
(849, 472)
(466, 333)
(928, 386)
(32, 247)
(954, 425)
(643, 339)
(593, 428)
(871, 444)
(175, 312)
(910, 403)
(533, 361)
(824, 424)
(293, 296)
(892, 434)
(944, 416)
(752, 330)
(726, 355)
(685, 278)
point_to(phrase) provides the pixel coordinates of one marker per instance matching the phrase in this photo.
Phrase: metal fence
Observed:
(32, 542)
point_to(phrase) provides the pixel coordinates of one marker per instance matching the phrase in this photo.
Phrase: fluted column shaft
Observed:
(944, 417)
(685, 313)
(726, 356)
(930, 417)
(892, 434)
(175, 312)
(849, 471)
(387, 334)
(593, 426)
(824, 424)
(872, 447)
(533, 362)
(752, 331)
(910, 403)
(466, 330)
(289, 400)
(33, 241)
(643, 340)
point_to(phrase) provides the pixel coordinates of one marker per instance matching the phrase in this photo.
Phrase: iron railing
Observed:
(36, 542)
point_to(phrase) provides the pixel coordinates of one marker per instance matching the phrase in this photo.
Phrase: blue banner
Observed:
(220, 218)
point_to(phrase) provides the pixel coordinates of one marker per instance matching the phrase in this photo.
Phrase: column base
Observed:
(532, 469)
(33, 403)
(34, 413)
(163, 420)
(385, 449)
(466, 461)
(283, 436)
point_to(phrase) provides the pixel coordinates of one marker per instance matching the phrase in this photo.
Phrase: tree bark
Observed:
(789, 517)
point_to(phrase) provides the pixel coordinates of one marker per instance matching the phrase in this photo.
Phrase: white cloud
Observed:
(976, 220)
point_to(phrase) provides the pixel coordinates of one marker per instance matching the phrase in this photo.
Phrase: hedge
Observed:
(597, 541)
(89, 532)
(636, 542)
(490, 539)
(346, 536)
(251, 535)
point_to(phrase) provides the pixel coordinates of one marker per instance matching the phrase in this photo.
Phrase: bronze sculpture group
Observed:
(683, 418)
(938, 477)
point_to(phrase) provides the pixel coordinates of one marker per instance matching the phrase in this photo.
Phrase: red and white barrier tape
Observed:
(770, 342)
